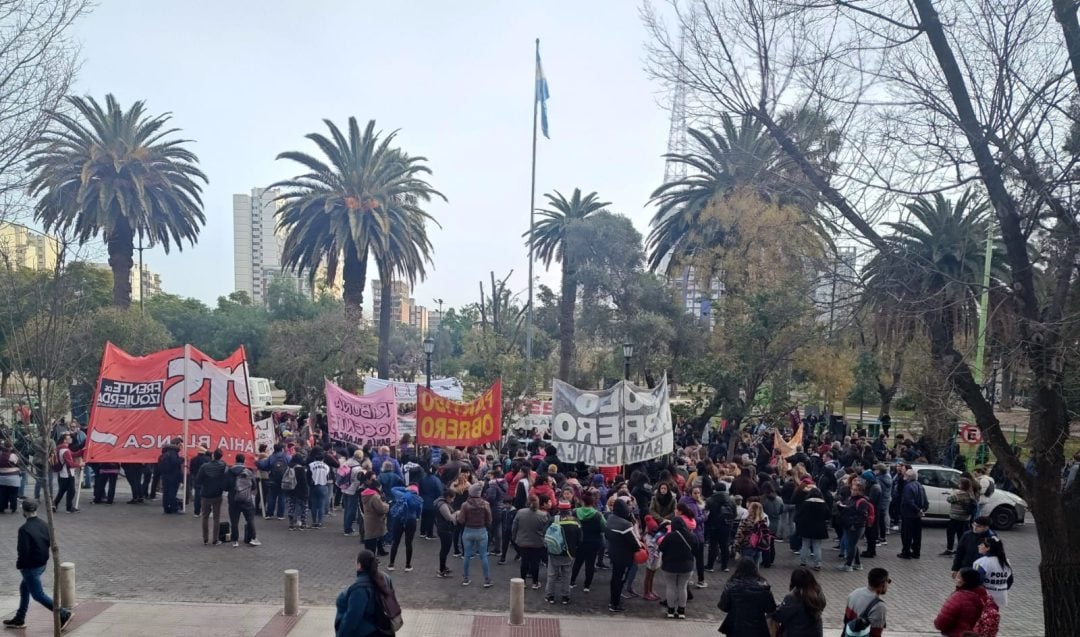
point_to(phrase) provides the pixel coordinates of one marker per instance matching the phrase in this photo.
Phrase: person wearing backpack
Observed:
(562, 540)
(240, 485)
(964, 607)
(753, 537)
(865, 609)
(856, 515)
(361, 610)
(528, 533)
(296, 487)
(275, 465)
(593, 526)
(65, 464)
(348, 481)
(719, 517)
(404, 513)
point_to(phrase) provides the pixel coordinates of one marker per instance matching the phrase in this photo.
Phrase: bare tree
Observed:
(929, 102)
(38, 60)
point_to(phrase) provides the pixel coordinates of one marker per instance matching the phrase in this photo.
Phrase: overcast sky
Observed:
(247, 80)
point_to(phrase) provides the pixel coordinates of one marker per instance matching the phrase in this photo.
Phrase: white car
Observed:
(1004, 509)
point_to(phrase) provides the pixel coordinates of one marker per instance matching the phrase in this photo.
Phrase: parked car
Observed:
(1004, 509)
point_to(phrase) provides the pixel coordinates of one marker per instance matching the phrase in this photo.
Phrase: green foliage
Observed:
(128, 329)
(111, 172)
(865, 374)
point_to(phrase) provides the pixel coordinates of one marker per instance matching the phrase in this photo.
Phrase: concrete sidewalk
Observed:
(99, 618)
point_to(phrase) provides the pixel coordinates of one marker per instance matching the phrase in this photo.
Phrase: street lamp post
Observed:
(429, 349)
(628, 353)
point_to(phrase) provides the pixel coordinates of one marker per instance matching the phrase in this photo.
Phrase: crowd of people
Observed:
(660, 527)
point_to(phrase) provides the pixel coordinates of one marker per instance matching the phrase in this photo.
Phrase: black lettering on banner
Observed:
(122, 394)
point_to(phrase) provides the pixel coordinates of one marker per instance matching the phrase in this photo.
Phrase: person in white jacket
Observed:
(993, 566)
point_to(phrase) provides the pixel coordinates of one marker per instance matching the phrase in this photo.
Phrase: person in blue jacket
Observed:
(431, 488)
(404, 514)
(357, 605)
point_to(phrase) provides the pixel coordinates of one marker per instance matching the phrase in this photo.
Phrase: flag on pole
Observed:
(542, 93)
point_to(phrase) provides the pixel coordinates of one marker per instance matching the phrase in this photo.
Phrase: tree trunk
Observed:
(121, 247)
(711, 409)
(386, 311)
(353, 273)
(567, 301)
(1005, 401)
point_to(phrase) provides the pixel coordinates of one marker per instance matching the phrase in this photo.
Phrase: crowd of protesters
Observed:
(730, 504)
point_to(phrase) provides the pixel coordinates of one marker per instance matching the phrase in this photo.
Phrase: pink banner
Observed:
(362, 419)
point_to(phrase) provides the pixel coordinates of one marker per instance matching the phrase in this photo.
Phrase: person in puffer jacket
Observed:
(593, 526)
(748, 601)
(964, 607)
(405, 511)
(622, 544)
(375, 510)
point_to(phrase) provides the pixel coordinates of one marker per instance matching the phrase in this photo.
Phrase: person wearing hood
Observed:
(718, 522)
(695, 504)
(297, 496)
(558, 571)
(600, 485)
(431, 488)
(748, 602)
(527, 530)
(663, 503)
(872, 491)
(622, 545)
(964, 606)
(404, 513)
(171, 470)
(375, 511)
(677, 551)
(593, 526)
(474, 516)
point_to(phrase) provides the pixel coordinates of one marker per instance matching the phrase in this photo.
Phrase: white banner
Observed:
(406, 392)
(264, 434)
(613, 427)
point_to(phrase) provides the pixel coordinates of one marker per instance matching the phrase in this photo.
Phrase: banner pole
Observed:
(78, 488)
(184, 448)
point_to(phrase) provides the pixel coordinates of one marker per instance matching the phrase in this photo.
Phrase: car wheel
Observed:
(1003, 518)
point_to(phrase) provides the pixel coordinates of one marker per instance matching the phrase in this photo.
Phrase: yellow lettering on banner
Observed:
(489, 399)
(425, 401)
(440, 428)
(489, 425)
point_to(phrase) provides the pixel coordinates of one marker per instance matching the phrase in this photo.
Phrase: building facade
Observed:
(405, 310)
(257, 246)
(23, 247)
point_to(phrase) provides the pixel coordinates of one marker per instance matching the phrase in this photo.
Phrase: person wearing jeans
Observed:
(33, 556)
(475, 517)
(856, 516)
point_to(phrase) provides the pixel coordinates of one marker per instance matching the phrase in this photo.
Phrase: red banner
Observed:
(446, 423)
(140, 402)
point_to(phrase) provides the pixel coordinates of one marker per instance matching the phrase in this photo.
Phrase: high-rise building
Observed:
(151, 281)
(257, 246)
(836, 288)
(419, 317)
(699, 298)
(23, 247)
(399, 300)
(434, 321)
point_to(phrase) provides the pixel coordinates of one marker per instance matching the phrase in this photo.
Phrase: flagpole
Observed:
(184, 448)
(532, 215)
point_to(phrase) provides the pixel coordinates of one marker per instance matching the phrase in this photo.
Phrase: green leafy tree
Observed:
(866, 375)
(348, 204)
(556, 237)
(119, 174)
(188, 320)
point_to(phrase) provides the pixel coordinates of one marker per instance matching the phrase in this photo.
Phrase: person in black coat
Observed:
(967, 548)
(748, 602)
(677, 551)
(622, 544)
(812, 516)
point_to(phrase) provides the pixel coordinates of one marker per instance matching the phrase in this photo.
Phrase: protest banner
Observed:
(143, 402)
(359, 420)
(448, 423)
(613, 427)
(533, 414)
(405, 393)
(264, 434)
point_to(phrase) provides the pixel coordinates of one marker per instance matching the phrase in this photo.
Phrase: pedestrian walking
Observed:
(210, 483)
(32, 555)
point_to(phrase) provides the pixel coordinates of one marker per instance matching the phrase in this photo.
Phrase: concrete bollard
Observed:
(292, 592)
(67, 585)
(517, 601)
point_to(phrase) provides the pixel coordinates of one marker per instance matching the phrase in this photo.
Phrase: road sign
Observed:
(970, 434)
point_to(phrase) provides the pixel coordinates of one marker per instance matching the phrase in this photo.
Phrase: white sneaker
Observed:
(235, 544)
(254, 543)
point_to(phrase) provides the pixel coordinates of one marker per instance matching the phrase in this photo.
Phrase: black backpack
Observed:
(278, 469)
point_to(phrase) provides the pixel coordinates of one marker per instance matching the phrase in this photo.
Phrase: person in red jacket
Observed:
(962, 609)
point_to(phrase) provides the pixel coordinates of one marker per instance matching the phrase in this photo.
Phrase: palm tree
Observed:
(935, 265)
(741, 155)
(114, 172)
(400, 253)
(350, 205)
(553, 239)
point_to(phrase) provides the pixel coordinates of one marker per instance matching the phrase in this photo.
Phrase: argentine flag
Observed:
(541, 92)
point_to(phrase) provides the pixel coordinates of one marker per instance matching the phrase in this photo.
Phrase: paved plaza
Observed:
(135, 553)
